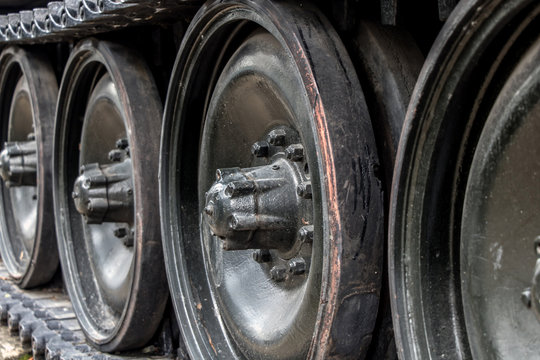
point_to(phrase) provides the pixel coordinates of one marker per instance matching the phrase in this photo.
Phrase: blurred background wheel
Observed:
(465, 203)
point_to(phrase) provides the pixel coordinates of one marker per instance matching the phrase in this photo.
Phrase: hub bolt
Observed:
(122, 144)
(537, 246)
(262, 256)
(209, 210)
(526, 297)
(277, 137)
(115, 155)
(304, 190)
(278, 273)
(295, 152)
(306, 234)
(297, 266)
(260, 149)
(120, 232)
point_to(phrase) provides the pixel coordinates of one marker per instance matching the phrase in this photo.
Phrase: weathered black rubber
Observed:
(388, 63)
(43, 90)
(142, 111)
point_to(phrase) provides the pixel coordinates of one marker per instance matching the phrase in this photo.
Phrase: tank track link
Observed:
(45, 322)
(67, 19)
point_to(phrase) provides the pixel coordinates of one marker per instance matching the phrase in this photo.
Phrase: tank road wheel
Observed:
(388, 63)
(271, 212)
(107, 217)
(464, 225)
(28, 92)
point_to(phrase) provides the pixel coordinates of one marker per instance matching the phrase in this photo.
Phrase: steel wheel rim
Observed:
(22, 219)
(432, 171)
(111, 261)
(254, 325)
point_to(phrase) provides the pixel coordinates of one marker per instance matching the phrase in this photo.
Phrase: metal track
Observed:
(62, 20)
(45, 321)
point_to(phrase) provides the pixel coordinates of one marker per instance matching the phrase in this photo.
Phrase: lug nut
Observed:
(122, 144)
(295, 152)
(277, 137)
(262, 256)
(115, 155)
(209, 210)
(297, 266)
(304, 190)
(31, 137)
(128, 240)
(120, 232)
(260, 149)
(526, 297)
(306, 234)
(75, 195)
(278, 273)
(537, 246)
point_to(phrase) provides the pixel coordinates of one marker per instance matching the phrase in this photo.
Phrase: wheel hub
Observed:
(18, 162)
(254, 208)
(104, 193)
(266, 207)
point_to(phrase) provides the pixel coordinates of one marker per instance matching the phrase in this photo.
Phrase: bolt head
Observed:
(115, 155)
(120, 232)
(233, 222)
(537, 246)
(526, 297)
(295, 152)
(304, 190)
(297, 266)
(278, 273)
(277, 137)
(209, 210)
(260, 149)
(122, 144)
(262, 256)
(306, 234)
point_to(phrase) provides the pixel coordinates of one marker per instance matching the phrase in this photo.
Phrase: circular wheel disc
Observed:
(258, 227)
(464, 221)
(500, 221)
(28, 94)
(106, 195)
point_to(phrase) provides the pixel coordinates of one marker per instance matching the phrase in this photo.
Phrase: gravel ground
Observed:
(10, 347)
